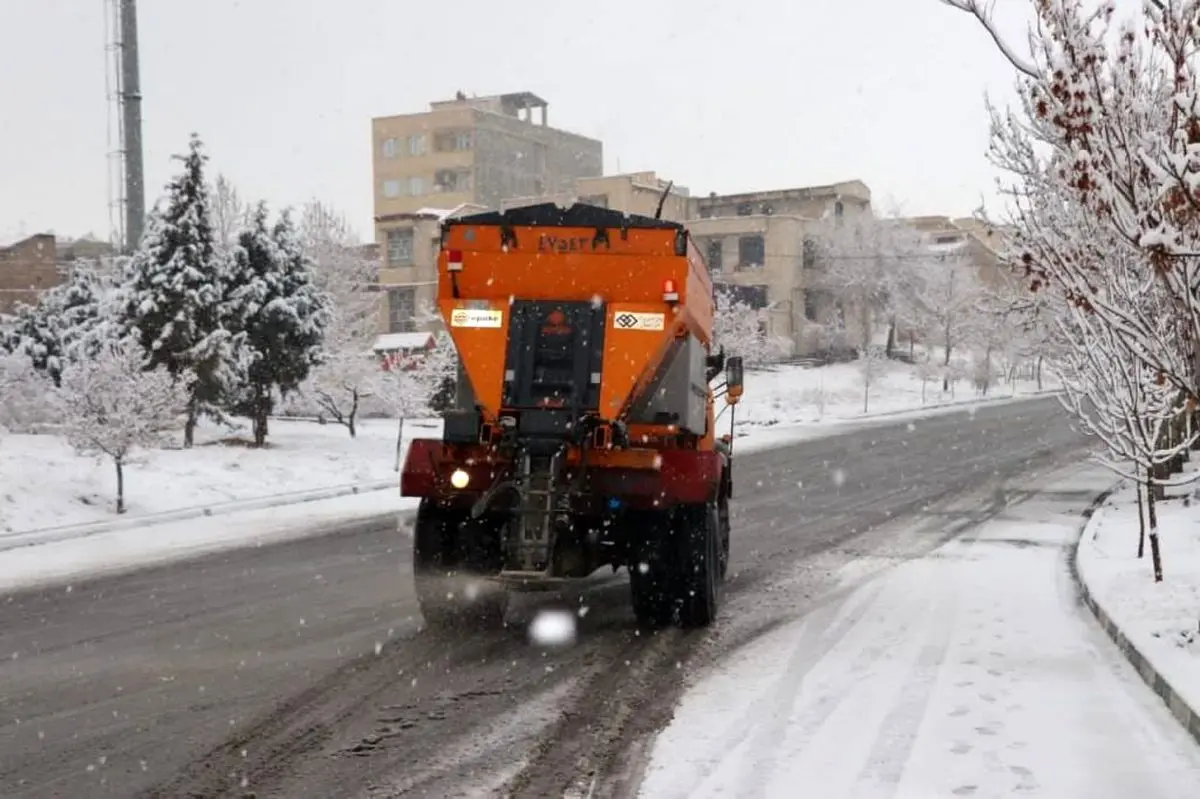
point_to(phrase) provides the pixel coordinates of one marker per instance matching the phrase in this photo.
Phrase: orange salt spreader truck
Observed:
(583, 428)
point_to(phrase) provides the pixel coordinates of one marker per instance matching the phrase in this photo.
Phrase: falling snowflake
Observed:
(553, 628)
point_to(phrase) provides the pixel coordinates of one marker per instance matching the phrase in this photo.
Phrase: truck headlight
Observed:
(459, 479)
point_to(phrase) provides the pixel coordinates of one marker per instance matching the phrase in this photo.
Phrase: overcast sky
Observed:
(718, 96)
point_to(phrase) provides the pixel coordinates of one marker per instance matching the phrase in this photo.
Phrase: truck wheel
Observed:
(651, 570)
(724, 527)
(449, 560)
(697, 536)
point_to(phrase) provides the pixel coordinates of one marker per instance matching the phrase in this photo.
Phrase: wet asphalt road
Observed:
(300, 670)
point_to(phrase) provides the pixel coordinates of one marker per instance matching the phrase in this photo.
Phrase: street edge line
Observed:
(1187, 716)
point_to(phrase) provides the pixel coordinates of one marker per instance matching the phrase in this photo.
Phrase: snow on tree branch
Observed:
(113, 404)
(741, 330)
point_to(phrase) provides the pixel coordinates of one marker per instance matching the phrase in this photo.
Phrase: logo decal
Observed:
(631, 320)
(474, 317)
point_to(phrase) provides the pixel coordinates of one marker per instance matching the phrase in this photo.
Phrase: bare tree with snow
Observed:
(412, 387)
(347, 371)
(1104, 139)
(865, 262)
(741, 330)
(112, 404)
(229, 213)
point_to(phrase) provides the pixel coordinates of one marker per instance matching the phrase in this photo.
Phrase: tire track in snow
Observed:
(786, 734)
(897, 734)
(808, 650)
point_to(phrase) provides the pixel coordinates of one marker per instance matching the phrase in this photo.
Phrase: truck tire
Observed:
(699, 552)
(724, 527)
(652, 572)
(677, 571)
(447, 564)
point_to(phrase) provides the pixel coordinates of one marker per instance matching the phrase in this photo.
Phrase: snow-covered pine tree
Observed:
(64, 317)
(173, 291)
(281, 316)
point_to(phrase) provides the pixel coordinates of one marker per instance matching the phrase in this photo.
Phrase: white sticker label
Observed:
(474, 317)
(632, 320)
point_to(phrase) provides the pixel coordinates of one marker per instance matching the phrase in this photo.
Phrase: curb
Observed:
(50, 535)
(1188, 717)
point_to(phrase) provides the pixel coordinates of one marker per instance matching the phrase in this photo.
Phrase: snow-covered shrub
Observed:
(112, 405)
(23, 396)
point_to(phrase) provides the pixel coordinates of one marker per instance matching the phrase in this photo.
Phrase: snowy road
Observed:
(297, 669)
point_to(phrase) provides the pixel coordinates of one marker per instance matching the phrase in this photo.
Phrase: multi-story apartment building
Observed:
(465, 153)
(754, 244)
(631, 193)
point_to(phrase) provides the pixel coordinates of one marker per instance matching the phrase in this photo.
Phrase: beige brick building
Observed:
(27, 268)
(754, 241)
(408, 271)
(461, 154)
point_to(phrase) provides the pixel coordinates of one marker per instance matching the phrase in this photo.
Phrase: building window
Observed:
(810, 253)
(416, 186)
(947, 239)
(713, 249)
(450, 141)
(391, 188)
(416, 144)
(752, 252)
(400, 247)
(745, 209)
(839, 210)
(402, 310)
(768, 209)
(451, 180)
(389, 147)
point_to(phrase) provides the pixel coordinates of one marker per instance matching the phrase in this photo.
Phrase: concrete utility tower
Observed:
(126, 183)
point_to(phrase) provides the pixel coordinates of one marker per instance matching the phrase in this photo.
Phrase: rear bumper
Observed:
(641, 478)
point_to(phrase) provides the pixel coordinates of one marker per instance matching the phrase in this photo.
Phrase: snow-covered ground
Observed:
(43, 484)
(794, 395)
(1161, 619)
(970, 672)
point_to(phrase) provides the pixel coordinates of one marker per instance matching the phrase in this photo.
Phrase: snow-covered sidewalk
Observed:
(1160, 621)
(972, 671)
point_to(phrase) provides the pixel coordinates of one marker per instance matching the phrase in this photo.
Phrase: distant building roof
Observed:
(390, 342)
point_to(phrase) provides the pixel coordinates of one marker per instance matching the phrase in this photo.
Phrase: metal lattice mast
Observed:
(126, 189)
(114, 133)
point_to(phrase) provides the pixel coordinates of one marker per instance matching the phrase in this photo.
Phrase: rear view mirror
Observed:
(733, 379)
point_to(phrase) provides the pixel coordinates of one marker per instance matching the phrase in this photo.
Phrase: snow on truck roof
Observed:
(554, 215)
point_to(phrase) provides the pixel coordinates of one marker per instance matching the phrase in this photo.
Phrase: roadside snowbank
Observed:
(125, 550)
(44, 484)
(1162, 620)
(792, 394)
